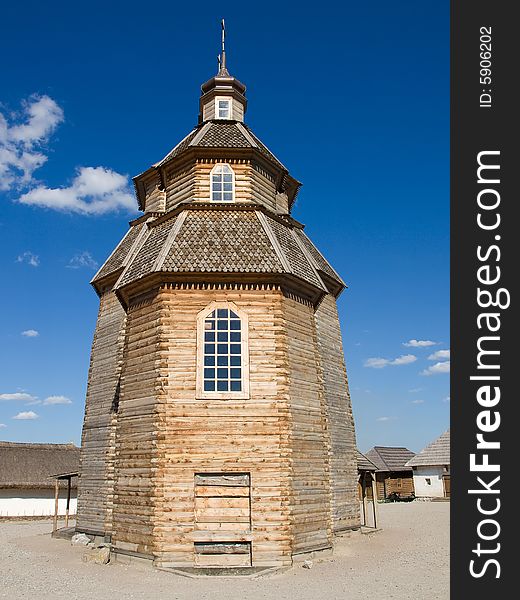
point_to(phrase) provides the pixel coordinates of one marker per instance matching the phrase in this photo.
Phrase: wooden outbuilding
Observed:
(27, 487)
(392, 475)
(218, 427)
(431, 469)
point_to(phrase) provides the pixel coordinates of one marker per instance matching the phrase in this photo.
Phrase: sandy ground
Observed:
(408, 559)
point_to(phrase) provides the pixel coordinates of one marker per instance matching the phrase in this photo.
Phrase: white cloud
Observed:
(446, 399)
(385, 419)
(21, 396)
(51, 400)
(439, 367)
(380, 363)
(93, 191)
(3, 425)
(417, 401)
(419, 343)
(28, 415)
(83, 259)
(30, 333)
(415, 390)
(29, 258)
(440, 355)
(21, 141)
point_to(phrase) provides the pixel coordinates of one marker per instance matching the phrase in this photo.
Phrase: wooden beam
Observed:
(56, 497)
(68, 501)
(374, 497)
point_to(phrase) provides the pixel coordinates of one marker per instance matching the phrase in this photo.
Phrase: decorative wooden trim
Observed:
(245, 393)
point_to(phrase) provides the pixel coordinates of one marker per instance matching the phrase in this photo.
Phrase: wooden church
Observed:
(218, 428)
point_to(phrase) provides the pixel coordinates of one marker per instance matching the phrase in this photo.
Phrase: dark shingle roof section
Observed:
(115, 261)
(144, 260)
(390, 458)
(297, 260)
(220, 134)
(33, 465)
(319, 261)
(222, 241)
(436, 453)
(226, 135)
(363, 463)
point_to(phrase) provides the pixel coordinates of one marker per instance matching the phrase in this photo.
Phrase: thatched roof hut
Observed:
(32, 466)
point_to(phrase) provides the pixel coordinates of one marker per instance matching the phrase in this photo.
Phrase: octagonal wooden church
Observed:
(218, 428)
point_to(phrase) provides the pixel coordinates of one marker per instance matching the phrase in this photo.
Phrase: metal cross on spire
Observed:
(222, 56)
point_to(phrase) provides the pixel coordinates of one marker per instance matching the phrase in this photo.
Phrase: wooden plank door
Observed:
(223, 520)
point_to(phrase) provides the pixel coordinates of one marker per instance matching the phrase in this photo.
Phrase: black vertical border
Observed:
(475, 129)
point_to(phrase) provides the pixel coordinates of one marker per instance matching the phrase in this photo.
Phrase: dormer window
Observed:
(223, 108)
(222, 184)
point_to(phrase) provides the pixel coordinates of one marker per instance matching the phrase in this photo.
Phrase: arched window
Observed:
(223, 369)
(222, 183)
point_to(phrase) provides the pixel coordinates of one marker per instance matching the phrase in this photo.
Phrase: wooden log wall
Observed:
(400, 482)
(155, 197)
(192, 182)
(264, 188)
(242, 170)
(345, 506)
(95, 486)
(179, 185)
(142, 388)
(309, 441)
(165, 433)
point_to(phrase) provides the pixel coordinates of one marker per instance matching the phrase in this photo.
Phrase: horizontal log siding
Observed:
(264, 189)
(309, 442)
(142, 387)
(394, 482)
(180, 185)
(95, 486)
(345, 505)
(224, 435)
(242, 170)
(155, 197)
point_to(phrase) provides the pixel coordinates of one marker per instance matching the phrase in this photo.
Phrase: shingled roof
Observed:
(219, 134)
(33, 465)
(211, 238)
(389, 458)
(363, 463)
(436, 453)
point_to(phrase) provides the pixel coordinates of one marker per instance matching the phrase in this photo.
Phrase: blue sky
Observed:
(353, 98)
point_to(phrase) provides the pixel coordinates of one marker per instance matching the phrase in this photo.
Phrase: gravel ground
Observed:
(408, 559)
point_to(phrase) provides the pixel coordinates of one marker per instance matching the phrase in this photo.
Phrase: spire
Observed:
(223, 72)
(223, 88)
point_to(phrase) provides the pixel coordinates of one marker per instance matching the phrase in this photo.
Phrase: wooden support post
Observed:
(68, 501)
(364, 496)
(374, 497)
(56, 494)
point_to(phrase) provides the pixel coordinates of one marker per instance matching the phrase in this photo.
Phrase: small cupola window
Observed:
(222, 184)
(223, 108)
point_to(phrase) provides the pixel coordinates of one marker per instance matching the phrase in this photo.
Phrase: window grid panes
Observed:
(222, 184)
(223, 109)
(222, 351)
